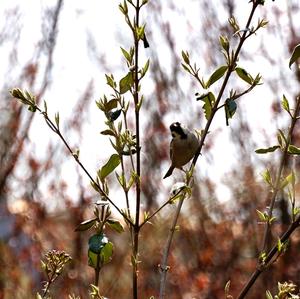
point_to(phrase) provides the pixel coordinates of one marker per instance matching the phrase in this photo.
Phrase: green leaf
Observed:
(209, 101)
(110, 81)
(224, 42)
(217, 74)
(126, 83)
(268, 295)
(244, 75)
(56, 117)
(267, 177)
(127, 55)
(281, 139)
(262, 216)
(109, 167)
(106, 253)
(112, 104)
(145, 68)
(267, 150)
(285, 104)
(293, 150)
(97, 242)
(289, 179)
(108, 132)
(185, 57)
(85, 225)
(295, 55)
(92, 259)
(115, 225)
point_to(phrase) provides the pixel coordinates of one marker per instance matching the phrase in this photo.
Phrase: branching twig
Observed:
(230, 69)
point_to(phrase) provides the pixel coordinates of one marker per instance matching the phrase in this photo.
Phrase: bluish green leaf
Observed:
(126, 83)
(267, 150)
(109, 167)
(217, 74)
(96, 242)
(295, 55)
(230, 108)
(113, 115)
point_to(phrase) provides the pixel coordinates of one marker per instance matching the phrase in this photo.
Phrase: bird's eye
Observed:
(173, 135)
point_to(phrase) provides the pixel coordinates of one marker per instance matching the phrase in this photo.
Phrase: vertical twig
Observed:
(164, 267)
(136, 227)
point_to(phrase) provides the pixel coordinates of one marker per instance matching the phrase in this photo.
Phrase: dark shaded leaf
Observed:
(295, 55)
(267, 150)
(113, 115)
(85, 225)
(108, 132)
(115, 225)
(294, 150)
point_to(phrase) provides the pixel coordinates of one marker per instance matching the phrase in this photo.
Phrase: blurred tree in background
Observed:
(43, 196)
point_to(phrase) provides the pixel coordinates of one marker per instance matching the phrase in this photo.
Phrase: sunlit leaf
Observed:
(217, 74)
(244, 75)
(285, 104)
(267, 177)
(109, 167)
(127, 55)
(126, 83)
(106, 252)
(209, 101)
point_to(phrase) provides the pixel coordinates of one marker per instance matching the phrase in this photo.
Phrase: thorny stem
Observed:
(231, 68)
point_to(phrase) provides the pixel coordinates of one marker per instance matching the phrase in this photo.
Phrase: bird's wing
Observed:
(171, 150)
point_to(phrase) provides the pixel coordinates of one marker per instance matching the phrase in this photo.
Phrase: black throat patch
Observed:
(177, 129)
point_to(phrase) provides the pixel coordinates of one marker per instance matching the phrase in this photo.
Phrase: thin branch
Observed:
(230, 69)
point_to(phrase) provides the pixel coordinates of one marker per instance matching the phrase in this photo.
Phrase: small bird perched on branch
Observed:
(183, 146)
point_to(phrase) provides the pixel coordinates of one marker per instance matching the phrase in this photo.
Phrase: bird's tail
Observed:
(169, 172)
